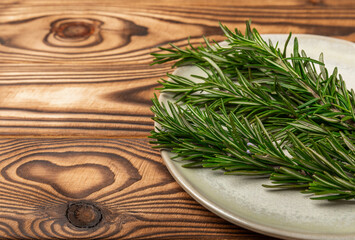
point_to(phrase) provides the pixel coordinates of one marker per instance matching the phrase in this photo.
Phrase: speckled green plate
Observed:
(281, 213)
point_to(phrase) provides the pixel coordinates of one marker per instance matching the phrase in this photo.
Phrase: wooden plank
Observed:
(81, 68)
(91, 105)
(97, 188)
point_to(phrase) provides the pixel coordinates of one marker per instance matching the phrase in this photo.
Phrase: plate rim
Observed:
(239, 220)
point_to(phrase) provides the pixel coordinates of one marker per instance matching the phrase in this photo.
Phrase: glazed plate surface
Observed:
(281, 213)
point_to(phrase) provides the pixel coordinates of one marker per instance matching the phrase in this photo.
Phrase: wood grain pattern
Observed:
(81, 68)
(123, 181)
(75, 90)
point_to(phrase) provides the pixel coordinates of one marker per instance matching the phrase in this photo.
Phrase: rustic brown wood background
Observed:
(75, 90)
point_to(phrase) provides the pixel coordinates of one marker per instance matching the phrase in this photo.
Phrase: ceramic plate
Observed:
(281, 213)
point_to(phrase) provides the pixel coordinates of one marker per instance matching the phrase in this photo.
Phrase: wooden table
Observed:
(75, 87)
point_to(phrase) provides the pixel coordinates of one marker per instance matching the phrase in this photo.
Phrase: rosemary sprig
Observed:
(258, 112)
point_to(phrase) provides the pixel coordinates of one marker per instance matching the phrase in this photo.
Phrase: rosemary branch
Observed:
(258, 112)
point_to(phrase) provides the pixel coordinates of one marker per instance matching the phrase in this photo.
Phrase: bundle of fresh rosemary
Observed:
(258, 112)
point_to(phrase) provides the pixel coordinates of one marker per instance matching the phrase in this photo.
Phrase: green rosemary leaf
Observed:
(257, 111)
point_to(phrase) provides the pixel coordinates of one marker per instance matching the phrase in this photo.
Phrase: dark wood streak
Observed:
(46, 172)
(133, 95)
(318, 29)
(268, 11)
(79, 112)
(83, 128)
(73, 120)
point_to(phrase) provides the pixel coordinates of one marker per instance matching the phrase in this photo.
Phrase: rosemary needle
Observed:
(259, 112)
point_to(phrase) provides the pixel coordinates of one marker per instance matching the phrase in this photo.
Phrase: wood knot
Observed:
(82, 35)
(316, 2)
(83, 215)
(74, 33)
(74, 29)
